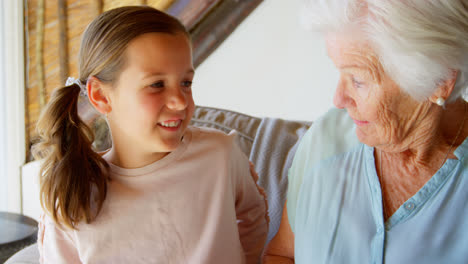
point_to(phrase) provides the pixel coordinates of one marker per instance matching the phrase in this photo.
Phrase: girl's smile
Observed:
(171, 123)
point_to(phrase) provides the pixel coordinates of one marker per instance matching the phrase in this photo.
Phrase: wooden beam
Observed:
(160, 4)
(39, 53)
(63, 40)
(97, 7)
(190, 12)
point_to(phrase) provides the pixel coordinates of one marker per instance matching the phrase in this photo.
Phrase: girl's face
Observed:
(151, 103)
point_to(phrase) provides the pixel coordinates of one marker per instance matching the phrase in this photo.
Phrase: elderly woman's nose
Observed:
(341, 99)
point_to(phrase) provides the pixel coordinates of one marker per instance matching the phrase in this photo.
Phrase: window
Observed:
(12, 110)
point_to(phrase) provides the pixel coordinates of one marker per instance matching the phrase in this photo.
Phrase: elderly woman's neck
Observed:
(442, 133)
(449, 130)
(402, 173)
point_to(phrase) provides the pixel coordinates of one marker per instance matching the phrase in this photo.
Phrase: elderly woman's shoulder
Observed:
(331, 134)
(335, 122)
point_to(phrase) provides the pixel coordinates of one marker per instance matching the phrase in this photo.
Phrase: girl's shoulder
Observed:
(208, 134)
(216, 139)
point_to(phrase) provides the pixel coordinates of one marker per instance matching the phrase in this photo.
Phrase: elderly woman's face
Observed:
(383, 114)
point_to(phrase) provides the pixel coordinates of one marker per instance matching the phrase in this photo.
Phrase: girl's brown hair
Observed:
(73, 180)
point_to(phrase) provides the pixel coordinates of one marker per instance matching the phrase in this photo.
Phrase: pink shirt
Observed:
(199, 204)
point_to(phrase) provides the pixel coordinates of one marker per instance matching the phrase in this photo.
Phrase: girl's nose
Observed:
(177, 100)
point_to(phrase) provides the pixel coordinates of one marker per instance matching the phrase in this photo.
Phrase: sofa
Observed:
(270, 143)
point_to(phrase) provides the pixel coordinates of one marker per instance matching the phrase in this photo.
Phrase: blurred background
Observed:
(251, 56)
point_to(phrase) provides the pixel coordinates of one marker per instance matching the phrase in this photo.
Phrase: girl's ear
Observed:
(445, 88)
(98, 96)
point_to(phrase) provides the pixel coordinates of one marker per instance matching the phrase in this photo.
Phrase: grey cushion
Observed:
(272, 153)
(226, 121)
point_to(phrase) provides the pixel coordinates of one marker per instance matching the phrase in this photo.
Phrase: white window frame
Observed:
(12, 92)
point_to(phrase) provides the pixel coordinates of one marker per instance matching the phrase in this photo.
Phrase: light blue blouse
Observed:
(335, 205)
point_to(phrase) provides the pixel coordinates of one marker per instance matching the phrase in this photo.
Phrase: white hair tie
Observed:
(82, 86)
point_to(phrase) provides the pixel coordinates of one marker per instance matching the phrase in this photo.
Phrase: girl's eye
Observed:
(187, 83)
(159, 84)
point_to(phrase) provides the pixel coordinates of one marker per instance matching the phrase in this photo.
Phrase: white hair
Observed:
(420, 43)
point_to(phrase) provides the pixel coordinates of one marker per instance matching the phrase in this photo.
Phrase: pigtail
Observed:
(73, 176)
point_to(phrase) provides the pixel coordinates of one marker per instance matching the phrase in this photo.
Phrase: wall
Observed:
(270, 66)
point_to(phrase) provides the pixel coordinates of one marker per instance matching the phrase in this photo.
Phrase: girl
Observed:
(164, 192)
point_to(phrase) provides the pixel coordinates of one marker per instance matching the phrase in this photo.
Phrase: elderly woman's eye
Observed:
(356, 83)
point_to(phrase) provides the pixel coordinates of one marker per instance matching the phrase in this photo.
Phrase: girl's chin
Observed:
(170, 145)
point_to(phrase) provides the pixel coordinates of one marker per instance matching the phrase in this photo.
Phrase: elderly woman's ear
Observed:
(445, 89)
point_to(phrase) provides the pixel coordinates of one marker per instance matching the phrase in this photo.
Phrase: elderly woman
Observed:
(386, 179)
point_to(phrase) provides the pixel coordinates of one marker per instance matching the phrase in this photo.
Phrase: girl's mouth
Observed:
(171, 124)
